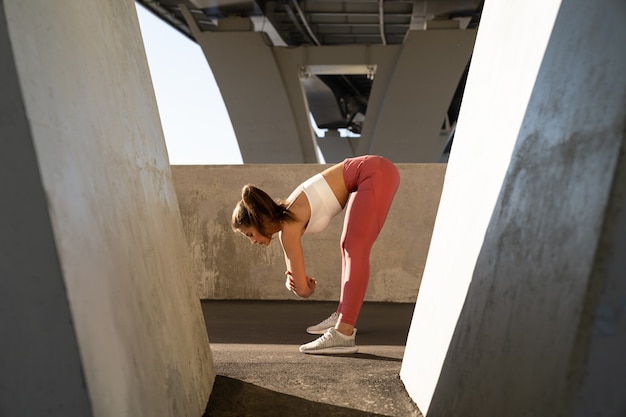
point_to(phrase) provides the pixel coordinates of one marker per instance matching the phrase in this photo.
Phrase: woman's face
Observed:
(254, 236)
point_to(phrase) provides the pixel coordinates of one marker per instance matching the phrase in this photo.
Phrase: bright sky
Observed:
(195, 122)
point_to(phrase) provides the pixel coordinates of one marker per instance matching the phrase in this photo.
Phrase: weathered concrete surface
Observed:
(521, 310)
(40, 368)
(598, 360)
(104, 317)
(227, 266)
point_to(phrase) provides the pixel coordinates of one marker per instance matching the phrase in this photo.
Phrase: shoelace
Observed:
(326, 336)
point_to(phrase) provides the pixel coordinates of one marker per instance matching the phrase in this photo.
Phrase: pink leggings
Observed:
(373, 181)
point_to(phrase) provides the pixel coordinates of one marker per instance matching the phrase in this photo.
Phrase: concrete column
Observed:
(254, 94)
(404, 120)
(40, 367)
(521, 307)
(263, 92)
(99, 315)
(333, 60)
(334, 147)
(598, 361)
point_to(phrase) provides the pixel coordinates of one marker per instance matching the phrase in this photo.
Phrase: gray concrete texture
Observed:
(411, 92)
(99, 313)
(261, 373)
(38, 345)
(535, 300)
(227, 266)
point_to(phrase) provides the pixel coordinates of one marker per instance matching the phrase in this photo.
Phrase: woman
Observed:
(372, 181)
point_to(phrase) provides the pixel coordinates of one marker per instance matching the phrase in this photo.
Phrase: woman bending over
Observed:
(371, 183)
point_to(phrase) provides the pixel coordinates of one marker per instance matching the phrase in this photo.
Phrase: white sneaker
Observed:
(321, 327)
(331, 342)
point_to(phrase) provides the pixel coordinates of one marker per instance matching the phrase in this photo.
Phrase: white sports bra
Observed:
(324, 204)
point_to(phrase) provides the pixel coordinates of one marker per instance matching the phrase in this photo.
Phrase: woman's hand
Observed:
(311, 283)
(291, 285)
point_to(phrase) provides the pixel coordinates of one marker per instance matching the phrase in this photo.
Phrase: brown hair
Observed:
(257, 209)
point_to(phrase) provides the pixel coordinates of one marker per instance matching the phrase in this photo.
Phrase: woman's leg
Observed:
(373, 182)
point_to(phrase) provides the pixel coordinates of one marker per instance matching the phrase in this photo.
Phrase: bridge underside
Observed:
(382, 77)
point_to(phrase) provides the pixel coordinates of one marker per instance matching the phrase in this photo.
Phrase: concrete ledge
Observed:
(227, 266)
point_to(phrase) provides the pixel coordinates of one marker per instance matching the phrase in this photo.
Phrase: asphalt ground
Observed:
(260, 371)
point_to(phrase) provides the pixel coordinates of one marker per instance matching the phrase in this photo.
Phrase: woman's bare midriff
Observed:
(334, 178)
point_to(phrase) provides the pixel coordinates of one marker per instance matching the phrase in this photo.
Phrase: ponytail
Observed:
(257, 209)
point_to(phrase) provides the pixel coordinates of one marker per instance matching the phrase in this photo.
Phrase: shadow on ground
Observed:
(261, 372)
(234, 398)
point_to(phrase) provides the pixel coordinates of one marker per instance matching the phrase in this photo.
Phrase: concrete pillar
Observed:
(404, 117)
(521, 307)
(99, 315)
(252, 88)
(40, 369)
(334, 147)
(262, 87)
(295, 63)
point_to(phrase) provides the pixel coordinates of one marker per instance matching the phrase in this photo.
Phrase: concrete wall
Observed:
(227, 266)
(521, 309)
(99, 315)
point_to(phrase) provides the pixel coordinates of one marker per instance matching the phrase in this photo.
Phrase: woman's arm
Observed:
(294, 260)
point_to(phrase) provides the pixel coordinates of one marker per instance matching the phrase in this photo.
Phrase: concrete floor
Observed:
(262, 373)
